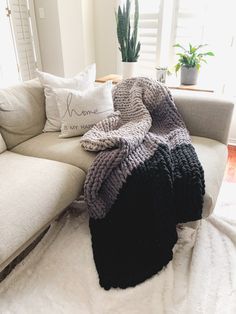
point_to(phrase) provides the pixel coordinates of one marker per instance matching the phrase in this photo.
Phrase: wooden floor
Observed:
(230, 175)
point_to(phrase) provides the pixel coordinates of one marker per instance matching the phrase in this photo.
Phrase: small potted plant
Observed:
(189, 62)
(161, 74)
(128, 40)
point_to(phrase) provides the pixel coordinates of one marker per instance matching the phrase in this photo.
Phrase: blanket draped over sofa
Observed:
(145, 180)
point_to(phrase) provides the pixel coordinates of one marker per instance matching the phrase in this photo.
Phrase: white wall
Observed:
(70, 19)
(105, 36)
(49, 36)
(232, 133)
(66, 35)
(88, 31)
(77, 34)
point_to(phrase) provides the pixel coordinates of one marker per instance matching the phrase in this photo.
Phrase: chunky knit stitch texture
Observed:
(146, 176)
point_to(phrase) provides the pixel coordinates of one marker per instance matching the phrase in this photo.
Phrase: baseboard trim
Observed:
(232, 141)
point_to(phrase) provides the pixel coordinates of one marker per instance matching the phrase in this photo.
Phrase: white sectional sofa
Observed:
(41, 174)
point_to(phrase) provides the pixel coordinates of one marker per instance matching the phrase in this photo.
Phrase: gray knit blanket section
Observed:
(145, 116)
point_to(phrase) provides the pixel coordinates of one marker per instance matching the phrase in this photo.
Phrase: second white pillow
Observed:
(81, 81)
(79, 111)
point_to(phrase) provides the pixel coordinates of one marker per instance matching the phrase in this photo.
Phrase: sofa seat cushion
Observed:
(212, 154)
(50, 146)
(213, 157)
(33, 192)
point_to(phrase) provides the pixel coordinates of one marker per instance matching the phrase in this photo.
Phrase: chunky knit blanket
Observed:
(145, 180)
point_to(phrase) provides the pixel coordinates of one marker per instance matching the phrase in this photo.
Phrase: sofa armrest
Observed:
(205, 115)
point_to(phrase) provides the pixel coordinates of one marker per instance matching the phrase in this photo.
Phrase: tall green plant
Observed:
(129, 47)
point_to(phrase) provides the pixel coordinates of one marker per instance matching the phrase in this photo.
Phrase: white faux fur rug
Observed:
(59, 276)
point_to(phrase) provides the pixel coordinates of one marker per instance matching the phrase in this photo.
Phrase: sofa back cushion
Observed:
(2, 144)
(22, 112)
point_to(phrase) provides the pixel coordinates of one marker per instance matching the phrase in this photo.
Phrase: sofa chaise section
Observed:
(34, 192)
(211, 153)
(51, 146)
(208, 118)
(41, 174)
(213, 157)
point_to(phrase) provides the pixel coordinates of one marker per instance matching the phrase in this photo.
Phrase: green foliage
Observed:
(129, 47)
(191, 58)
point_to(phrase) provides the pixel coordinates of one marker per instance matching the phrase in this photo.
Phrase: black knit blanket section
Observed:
(138, 193)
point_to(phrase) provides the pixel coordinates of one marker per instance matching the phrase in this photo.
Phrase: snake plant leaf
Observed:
(136, 20)
(121, 32)
(137, 50)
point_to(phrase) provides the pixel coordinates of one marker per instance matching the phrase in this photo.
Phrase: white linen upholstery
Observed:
(81, 81)
(50, 146)
(22, 112)
(211, 153)
(205, 114)
(33, 192)
(3, 146)
(79, 111)
(213, 157)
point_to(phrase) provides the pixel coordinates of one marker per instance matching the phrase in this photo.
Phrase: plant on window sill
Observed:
(190, 62)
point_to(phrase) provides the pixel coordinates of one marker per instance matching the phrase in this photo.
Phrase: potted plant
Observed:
(189, 62)
(161, 74)
(127, 38)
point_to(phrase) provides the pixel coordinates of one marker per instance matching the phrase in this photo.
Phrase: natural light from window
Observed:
(164, 23)
(8, 66)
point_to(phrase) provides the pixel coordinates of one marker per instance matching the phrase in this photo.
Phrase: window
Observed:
(8, 65)
(17, 53)
(166, 22)
(149, 34)
(211, 22)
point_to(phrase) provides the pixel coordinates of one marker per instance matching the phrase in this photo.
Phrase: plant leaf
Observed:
(210, 53)
(177, 67)
(179, 46)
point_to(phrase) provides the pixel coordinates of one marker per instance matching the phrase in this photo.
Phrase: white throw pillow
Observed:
(79, 111)
(81, 81)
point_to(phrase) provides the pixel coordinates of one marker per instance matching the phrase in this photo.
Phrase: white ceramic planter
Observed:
(189, 76)
(128, 69)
